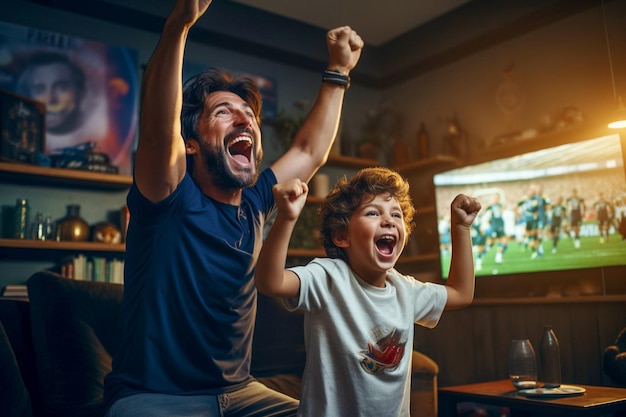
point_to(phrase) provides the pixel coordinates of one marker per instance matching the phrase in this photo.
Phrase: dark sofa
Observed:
(614, 359)
(56, 348)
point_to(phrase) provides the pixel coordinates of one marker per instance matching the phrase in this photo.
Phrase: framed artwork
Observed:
(90, 90)
(22, 127)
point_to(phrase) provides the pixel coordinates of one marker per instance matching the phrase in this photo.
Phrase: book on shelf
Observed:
(15, 290)
(94, 268)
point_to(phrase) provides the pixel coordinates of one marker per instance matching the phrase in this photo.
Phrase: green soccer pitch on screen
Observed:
(554, 209)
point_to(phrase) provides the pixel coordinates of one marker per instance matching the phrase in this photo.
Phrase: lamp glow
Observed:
(618, 119)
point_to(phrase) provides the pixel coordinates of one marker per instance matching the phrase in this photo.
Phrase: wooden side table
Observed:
(596, 401)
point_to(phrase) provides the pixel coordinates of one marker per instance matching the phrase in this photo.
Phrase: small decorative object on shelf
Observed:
(83, 156)
(72, 227)
(400, 153)
(22, 215)
(49, 228)
(367, 149)
(550, 359)
(37, 229)
(455, 142)
(106, 232)
(22, 126)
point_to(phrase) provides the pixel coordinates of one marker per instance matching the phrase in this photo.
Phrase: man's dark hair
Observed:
(198, 88)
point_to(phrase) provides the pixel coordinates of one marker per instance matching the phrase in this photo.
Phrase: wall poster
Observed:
(90, 90)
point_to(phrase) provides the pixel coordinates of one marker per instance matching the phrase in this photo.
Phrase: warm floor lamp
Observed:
(618, 117)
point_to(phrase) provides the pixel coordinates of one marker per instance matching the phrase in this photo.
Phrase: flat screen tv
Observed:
(555, 209)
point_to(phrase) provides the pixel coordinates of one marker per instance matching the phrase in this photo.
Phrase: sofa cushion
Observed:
(76, 327)
(278, 344)
(14, 398)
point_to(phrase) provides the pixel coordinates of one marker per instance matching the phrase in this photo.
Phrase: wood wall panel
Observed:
(471, 345)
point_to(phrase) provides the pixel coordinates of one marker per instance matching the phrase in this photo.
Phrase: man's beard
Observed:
(216, 159)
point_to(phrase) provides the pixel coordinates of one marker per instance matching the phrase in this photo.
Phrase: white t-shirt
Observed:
(359, 338)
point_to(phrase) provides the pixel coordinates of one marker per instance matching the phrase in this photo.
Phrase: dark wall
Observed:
(471, 345)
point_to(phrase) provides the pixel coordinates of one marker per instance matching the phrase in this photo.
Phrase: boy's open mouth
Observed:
(385, 244)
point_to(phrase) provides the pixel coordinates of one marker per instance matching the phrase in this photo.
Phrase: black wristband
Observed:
(336, 77)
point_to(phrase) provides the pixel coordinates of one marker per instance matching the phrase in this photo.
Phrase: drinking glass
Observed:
(522, 364)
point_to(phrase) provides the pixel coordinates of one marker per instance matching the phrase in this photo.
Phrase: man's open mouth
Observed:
(240, 149)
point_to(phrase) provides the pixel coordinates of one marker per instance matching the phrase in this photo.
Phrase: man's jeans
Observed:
(253, 400)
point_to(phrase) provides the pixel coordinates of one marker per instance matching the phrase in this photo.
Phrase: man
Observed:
(197, 210)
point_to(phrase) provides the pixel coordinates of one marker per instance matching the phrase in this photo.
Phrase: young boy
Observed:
(359, 311)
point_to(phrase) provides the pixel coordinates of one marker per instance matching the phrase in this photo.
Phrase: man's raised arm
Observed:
(312, 143)
(160, 162)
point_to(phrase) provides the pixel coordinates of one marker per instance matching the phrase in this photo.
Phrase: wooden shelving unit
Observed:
(33, 174)
(52, 245)
(57, 177)
(51, 250)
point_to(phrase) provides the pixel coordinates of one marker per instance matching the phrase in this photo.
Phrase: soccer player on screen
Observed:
(604, 216)
(558, 212)
(576, 209)
(496, 234)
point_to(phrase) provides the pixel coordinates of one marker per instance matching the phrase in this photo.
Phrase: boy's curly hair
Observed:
(334, 213)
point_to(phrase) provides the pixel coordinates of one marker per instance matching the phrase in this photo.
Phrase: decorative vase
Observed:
(72, 227)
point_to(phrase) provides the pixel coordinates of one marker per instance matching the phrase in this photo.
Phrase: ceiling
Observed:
(403, 38)
(378, 22)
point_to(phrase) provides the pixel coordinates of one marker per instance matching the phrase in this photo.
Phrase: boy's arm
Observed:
(271, 277)
(460, 284)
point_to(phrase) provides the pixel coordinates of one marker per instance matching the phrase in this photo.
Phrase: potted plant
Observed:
(286, 124)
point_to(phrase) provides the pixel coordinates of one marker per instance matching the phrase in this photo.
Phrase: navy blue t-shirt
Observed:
(189, 294)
